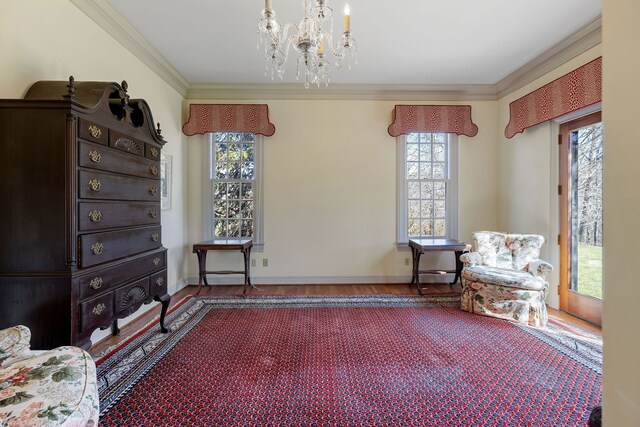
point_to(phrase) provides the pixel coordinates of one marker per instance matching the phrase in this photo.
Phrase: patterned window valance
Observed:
(578, 89)
(206, 118)
(432, 118)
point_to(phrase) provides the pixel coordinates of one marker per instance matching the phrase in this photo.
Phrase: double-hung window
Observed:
(232, 196)
(427, 186)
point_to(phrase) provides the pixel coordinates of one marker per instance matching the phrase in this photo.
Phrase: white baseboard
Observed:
(320, 280)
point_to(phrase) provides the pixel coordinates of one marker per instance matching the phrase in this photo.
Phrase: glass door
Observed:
(580, 190)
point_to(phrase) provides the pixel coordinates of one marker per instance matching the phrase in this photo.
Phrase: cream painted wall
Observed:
(528, 176)
(51, 40)
(621, 212)
(330, 192)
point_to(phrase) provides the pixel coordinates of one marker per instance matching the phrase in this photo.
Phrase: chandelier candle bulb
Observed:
(321, 48)
(267, 5)
(347, 18)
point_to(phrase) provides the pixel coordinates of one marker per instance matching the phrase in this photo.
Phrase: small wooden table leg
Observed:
(202, 268)
(416, 268)
(458, 269)
(246, 253)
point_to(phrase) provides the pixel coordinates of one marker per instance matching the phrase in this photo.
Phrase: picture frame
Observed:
(165, 181)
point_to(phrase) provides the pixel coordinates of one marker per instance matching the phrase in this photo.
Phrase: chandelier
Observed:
(311, 39)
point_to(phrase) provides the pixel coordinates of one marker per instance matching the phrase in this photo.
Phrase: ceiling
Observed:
(401, 42)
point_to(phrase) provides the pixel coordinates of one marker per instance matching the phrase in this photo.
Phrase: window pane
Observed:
(247, 191)
(412, 170)
(439, 138)
(425, 152)
(439, 190)
(247, 228)
(414, 228)
(235, 153)
(247, 209)
(414, 209)
(220, 228)
(438, 152)
(234, 191)
(414, 190)
(234, 228)
(234, 170)
(426, 190)
(439, 209)
(438, 171)
(234, 209)
(220, 209)
(439, 227)
(412, 153)
(220, 190)
(427, 209)
(427, 227)
(247, 152)
(221, 171)
(412, 138)
(221, 152)
(425, 170)
(247, 170)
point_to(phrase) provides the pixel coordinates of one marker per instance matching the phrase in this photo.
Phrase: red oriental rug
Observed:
(348, 361)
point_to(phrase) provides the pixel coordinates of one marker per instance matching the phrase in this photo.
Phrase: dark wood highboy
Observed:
(80, 235)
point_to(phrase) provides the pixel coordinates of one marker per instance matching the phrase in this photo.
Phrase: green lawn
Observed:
(590, 270)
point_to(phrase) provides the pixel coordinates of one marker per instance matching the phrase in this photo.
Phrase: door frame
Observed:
(583, 306)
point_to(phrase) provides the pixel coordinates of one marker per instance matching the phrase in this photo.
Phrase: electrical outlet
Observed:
(265, 262)
(253, 262)
(406, 261)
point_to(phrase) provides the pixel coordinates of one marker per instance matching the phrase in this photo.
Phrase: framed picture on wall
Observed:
(165, 182)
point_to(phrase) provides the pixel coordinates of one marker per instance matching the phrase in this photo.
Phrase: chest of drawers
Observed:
(81, 227)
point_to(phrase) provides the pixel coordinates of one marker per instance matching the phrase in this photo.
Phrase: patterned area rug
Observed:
(324, 361)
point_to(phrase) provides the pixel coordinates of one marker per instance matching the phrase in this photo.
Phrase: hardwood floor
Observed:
(333, 289)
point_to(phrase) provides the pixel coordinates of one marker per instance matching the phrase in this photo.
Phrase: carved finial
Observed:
(71, 87)
(158, 130)
(125, 96)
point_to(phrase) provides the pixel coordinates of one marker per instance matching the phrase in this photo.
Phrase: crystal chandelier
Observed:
(310, 39)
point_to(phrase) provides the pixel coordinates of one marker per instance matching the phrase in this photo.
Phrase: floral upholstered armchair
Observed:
(504, 278)
(54, 388)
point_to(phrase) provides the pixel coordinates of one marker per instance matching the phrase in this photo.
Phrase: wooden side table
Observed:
(242, 245)
(419, 246)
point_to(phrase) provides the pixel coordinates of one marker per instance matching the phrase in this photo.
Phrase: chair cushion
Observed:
(511, 251)
(14, 344)
(503, 277)
(55, 388)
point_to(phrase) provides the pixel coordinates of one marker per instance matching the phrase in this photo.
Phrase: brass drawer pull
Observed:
(153, 213)
(94, 156)
(154, 169)
(160, 281)
(155, 237)
(154, 151)
(98, 309)
(97, 248)
(156, 261)
(96, 283)
(153, 190)
(95, 216)
(95, 185)
(95, 131)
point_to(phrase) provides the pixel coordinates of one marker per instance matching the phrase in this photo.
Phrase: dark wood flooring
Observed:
(332, 289)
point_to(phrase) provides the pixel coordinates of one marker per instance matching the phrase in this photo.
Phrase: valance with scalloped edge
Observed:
(432, 118)
(580, 88)
(207, 118)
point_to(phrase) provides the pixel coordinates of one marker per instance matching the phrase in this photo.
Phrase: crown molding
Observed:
(107, 17)
(284, 91)
(579, 42)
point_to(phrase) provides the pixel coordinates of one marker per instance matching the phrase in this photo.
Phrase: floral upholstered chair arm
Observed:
(14, 344)
(470, 259)
(539, 268)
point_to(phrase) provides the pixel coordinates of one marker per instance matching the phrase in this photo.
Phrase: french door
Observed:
(580, 191)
